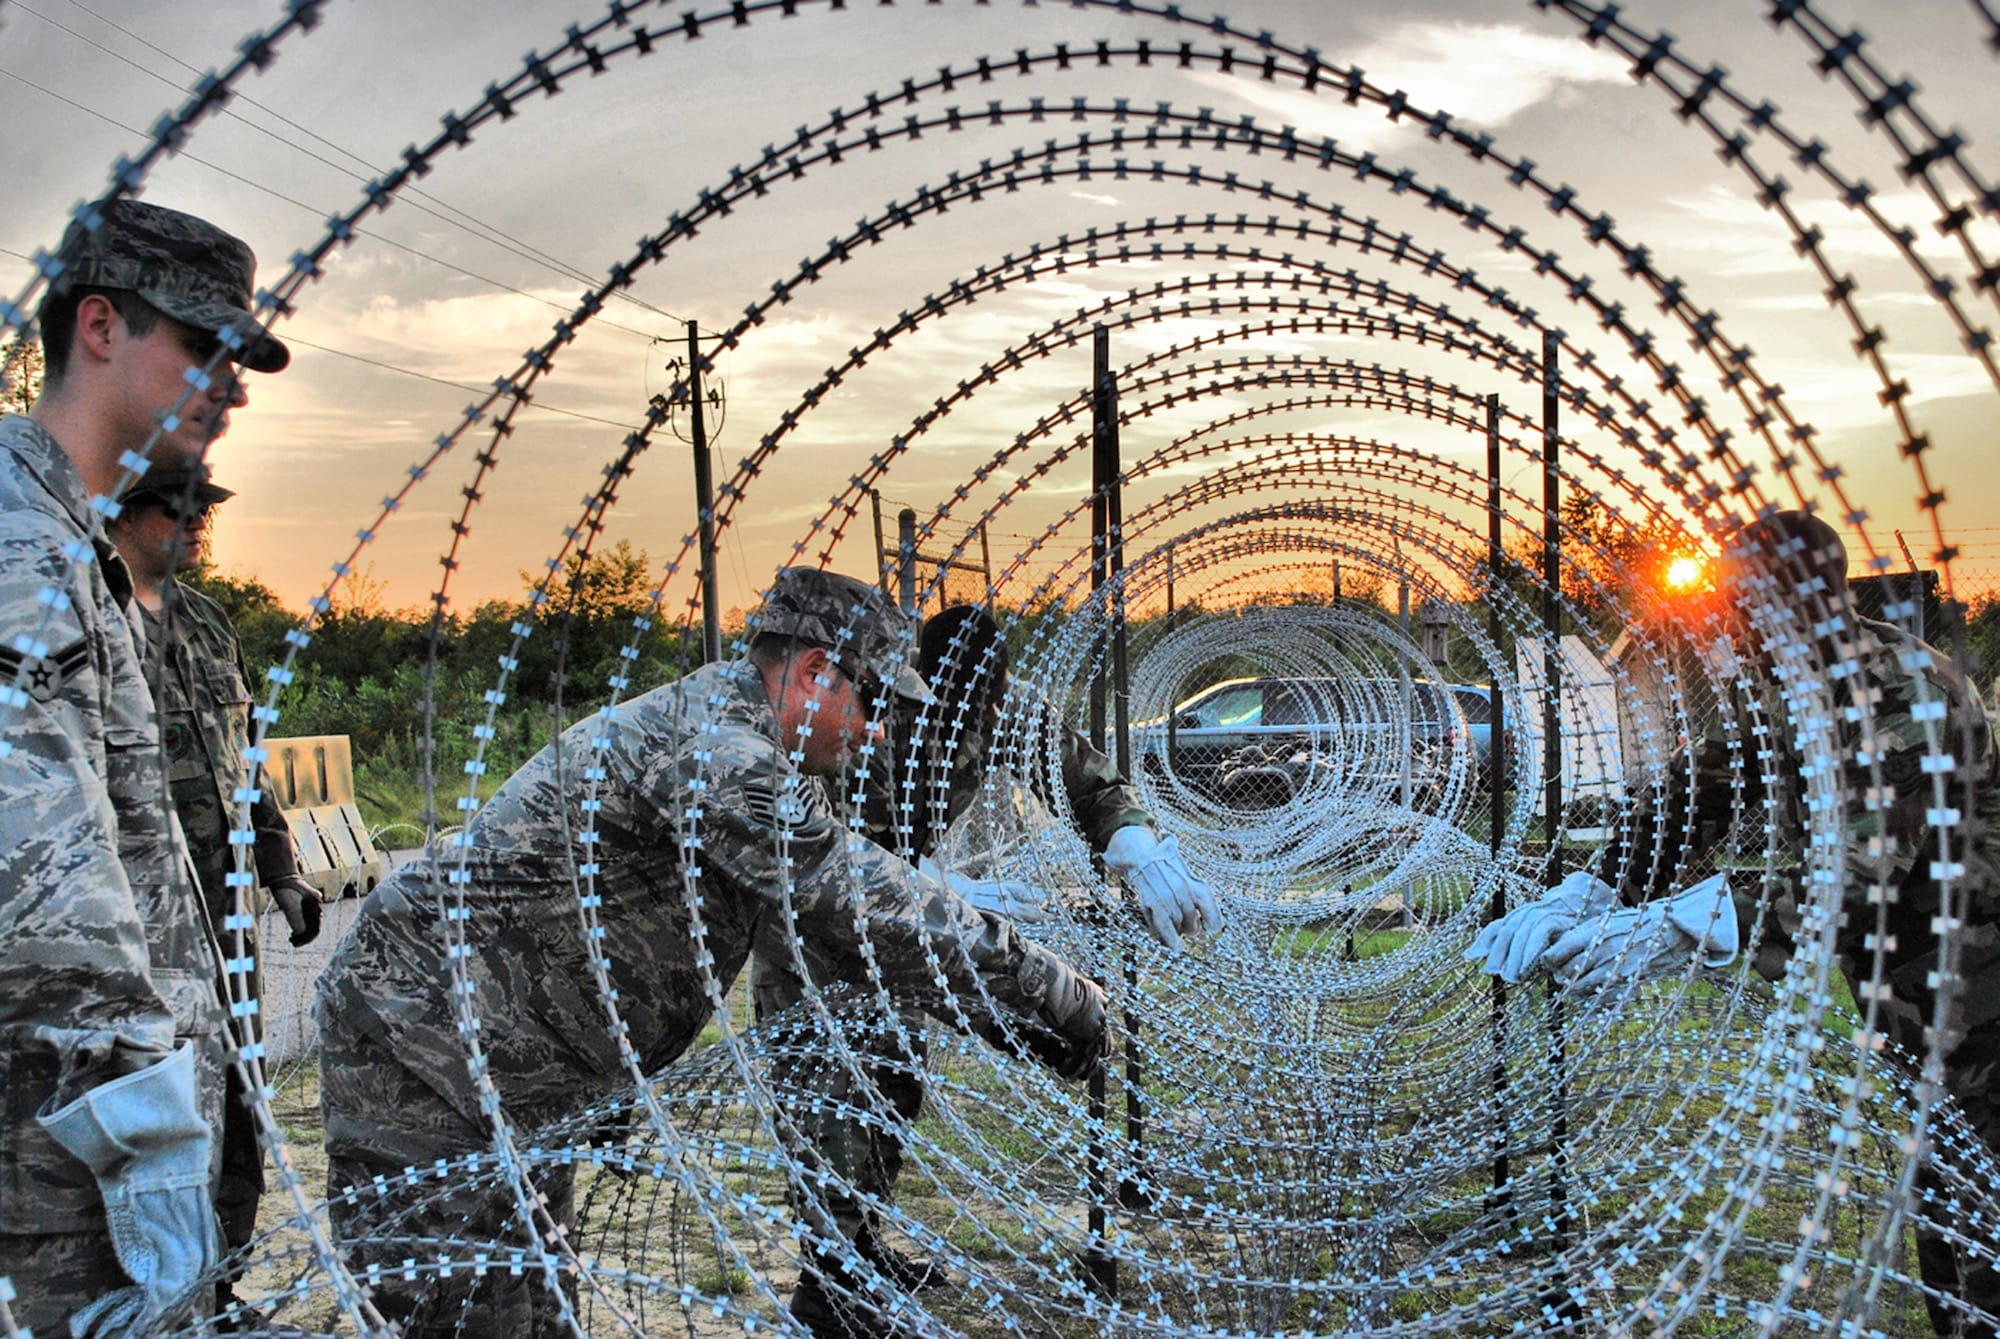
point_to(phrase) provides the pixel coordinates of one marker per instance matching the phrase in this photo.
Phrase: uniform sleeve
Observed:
(1669, 834)
(276, 856)
(760, 826)
(1100, 797)
(1890, 790)
(75, 980)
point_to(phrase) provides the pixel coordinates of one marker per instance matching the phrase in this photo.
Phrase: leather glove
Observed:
(1633, 944)
(1022, 903)
(1175, 901)
(1512, 945)
(144, 1139)
(1067, 1032)
(299, 903)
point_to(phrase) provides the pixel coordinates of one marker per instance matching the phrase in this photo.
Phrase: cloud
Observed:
(1484, 74)
(1736, 236)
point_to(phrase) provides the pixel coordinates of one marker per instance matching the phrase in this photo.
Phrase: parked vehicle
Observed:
(1475, 703)
(1369, 729)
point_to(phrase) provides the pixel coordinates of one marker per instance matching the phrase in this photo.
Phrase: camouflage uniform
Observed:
(906, 807)
(203, 691)
(691, 772)
(105, 958)
(1874, 713)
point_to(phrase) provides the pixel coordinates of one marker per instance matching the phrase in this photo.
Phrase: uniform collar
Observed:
(43, 459)
(42, 456)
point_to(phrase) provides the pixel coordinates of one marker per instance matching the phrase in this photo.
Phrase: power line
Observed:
(447, 381)
(320, 214)
(465, 222)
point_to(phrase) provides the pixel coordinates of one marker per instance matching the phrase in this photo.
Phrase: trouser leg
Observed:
(242, 1167)
(825, 1101)
(394, 1222)
(57, 1273)
(1958, 1268)
(385, 1220)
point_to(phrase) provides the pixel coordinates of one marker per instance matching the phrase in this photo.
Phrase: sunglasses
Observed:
(172, 509)
(197, 342)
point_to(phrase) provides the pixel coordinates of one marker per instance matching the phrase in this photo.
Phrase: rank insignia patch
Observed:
(45, 675)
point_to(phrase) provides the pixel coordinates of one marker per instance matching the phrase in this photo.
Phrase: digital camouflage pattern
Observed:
(185, 266)
(105, 954)
(707, 844)
(202, 688)
(935, 766)
(867, 632)
(1707, 813)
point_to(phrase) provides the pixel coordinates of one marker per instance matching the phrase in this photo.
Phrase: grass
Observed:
(1330, 1257)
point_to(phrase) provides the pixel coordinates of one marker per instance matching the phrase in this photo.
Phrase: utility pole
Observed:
(704, 492)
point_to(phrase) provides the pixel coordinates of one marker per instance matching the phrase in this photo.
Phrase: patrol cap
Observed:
(175, 485)
(186, 267)
(826, 609)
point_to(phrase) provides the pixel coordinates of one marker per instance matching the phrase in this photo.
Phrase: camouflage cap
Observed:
(177, 485)
(186, 267)
(871, 635)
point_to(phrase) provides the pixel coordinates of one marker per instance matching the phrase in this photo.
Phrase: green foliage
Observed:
(408, 688)
(1982, 641)
(1610, 564)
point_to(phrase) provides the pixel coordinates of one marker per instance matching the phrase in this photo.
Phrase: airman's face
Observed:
(158, 537)
(826, 715)
(155, 368)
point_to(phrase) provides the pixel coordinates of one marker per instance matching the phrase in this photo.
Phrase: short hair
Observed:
(57, 321)
(772, 650)
(962, 654)
(1796, 546)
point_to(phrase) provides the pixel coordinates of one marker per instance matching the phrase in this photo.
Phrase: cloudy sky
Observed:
(446, 289)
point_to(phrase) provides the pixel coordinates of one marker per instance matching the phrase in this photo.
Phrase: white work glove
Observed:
(1513, 944)
(144, 1139)
(1634, 944)
(1022, 903)
(1175, 901)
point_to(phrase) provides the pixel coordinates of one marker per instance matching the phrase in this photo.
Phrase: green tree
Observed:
(22, 381)
(1611, 565)
(592, 613)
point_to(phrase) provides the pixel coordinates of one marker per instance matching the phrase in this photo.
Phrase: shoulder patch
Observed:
(45, 675)
(771, 805)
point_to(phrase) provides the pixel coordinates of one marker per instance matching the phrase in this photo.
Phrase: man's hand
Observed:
(1175, 901)
(1022, 903)
(1513, 945)
(1634, 944)
(300, 906)
(1074, 1008)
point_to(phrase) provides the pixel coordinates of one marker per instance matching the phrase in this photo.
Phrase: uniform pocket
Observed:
(44, 1189)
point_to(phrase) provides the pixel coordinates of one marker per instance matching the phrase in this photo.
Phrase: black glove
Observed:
(1067, 1033)
(299, 905)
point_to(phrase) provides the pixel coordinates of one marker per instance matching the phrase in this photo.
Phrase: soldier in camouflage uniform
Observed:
(938, 759)
(111, 1034)
(202, 688)
(1872, 676)
(694, 819)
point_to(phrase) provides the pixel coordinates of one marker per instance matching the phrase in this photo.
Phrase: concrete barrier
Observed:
(313, 779)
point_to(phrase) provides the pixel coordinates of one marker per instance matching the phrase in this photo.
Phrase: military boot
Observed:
(911, 1273)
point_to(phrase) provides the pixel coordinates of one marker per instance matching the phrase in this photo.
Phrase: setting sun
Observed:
(1684, 573)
